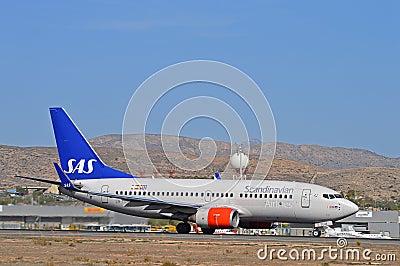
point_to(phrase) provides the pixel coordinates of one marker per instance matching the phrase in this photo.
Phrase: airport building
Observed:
(60, 217)
(81, 217)
(375, 222)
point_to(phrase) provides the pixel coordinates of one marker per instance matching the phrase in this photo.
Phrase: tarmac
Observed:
(194, 237)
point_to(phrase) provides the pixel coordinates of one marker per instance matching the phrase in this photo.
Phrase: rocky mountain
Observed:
(328, 158)
(334, 158)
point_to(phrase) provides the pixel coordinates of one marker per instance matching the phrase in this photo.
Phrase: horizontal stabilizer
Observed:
(54, 182)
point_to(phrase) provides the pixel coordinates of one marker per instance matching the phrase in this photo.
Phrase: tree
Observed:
(21, 191)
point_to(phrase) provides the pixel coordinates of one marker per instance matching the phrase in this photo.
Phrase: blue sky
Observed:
(330, 70)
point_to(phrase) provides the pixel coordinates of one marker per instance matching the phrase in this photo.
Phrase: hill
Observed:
(328, 158)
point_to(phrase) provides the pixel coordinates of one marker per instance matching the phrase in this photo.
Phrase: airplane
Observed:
(338, 232)
(210, 204)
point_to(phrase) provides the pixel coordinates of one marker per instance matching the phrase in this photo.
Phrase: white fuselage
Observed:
(256, 201)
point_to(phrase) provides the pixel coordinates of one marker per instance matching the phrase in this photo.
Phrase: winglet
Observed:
(65, 182)
(217, 176)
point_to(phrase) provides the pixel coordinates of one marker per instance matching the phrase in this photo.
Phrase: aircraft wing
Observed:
(151, 203)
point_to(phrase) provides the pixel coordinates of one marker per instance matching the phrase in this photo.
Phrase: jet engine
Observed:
(217, 217)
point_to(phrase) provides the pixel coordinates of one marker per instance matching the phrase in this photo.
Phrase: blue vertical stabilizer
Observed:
(77, 157)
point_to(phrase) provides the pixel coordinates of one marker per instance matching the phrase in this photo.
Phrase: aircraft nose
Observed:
(349, 207)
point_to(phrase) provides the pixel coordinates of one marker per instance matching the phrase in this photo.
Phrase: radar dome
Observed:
(239, 160)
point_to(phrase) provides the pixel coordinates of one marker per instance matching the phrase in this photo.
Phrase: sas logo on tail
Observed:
(80, 166)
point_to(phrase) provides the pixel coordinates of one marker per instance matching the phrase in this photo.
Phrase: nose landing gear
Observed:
(316, 232)
(319, 227)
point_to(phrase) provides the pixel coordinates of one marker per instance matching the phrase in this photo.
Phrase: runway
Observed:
(195, 237)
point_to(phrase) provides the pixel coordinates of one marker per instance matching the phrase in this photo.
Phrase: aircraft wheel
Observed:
(316, 233)
(183, 228)
(208, 231)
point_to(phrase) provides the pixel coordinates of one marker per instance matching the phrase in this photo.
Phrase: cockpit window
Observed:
(331, 196)
(339, 196)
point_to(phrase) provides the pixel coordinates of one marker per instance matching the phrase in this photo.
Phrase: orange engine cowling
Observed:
(217, 217)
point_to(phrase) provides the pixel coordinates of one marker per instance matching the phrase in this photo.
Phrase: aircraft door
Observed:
(305, 198)
(207, 196)
(104, 189)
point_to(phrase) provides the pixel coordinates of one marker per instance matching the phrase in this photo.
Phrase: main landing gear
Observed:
(183, 228)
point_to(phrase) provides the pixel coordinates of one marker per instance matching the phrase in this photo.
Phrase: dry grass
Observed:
(125, 251)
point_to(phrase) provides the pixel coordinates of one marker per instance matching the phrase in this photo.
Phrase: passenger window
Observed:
(276, 196)
(285, 196)
(167, 193)
(231, 195)
(202, 194)
(197, 194)
(162, 193)
(140, 193)
(182, 194)
(217, 195)
(255, 195)
(226, 195)
(212, 195)
(116, 192)
(270, 196)
(130, 192)
(251, 195)
(241, 195)
(191, 194)
(245, 195)
(158, 193)
(280, 196)
(187, 194)
(290, 196)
